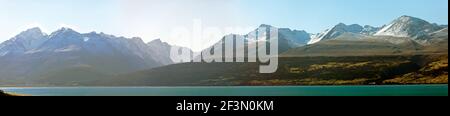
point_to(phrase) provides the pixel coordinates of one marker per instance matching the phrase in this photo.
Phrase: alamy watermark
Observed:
(260, 46)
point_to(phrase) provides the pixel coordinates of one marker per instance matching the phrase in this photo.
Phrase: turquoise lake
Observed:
(376, 90)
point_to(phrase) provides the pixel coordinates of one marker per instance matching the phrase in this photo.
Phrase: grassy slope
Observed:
(355, 70)
(431, 73)
(356, 47)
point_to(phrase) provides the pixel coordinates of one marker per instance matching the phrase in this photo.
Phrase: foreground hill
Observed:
(4, 94)
(349, 70)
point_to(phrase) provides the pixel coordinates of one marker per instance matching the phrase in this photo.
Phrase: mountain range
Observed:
(66, 57)
(404, 36)
(33, 55)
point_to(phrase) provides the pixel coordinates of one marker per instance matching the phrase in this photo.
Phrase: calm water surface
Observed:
(383, 90)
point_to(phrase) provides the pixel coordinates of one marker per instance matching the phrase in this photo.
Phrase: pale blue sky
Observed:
(151, 19)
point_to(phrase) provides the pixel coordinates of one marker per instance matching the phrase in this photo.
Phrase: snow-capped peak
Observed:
(64, 30)
(408, 26)
(30, 34)
(26, 40)
(65, 33)
(336, 31)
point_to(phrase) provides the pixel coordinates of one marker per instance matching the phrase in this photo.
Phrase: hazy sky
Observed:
(152, 19)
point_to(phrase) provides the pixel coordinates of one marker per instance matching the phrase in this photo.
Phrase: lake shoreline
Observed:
(3, 93)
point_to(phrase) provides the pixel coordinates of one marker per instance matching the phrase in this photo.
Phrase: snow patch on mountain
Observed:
(85, 39)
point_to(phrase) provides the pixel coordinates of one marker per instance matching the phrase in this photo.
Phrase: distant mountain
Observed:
(350, 44)
(342, 28)
(404, 26)
(162, 51)
(294, 38)
(407, 26)
(297, 37)
(369, 30)
(27, 40)
(405, 35)
(34, 56)
(287, 39)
